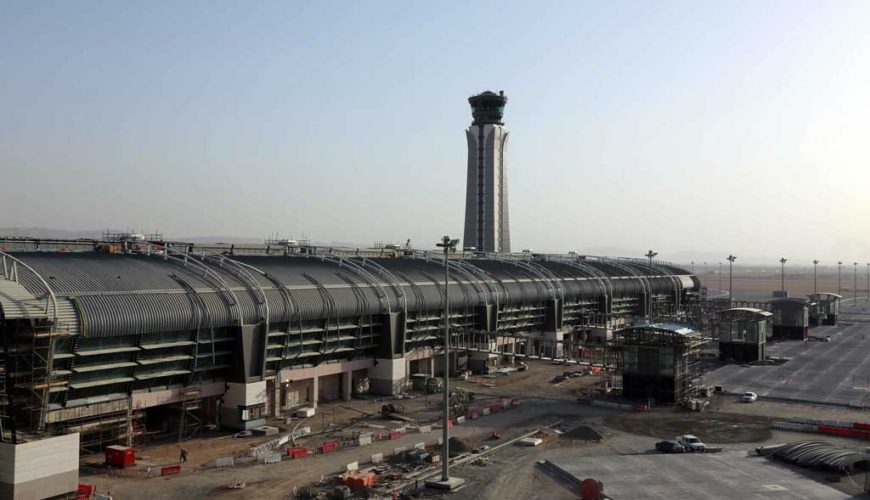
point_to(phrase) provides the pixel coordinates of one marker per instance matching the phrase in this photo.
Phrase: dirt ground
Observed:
(339, 419)
(762, 287)
(711, 426)
(510, 472)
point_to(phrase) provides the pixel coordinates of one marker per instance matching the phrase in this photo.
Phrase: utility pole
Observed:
(782, 262)
(840, 277)
(815, 281)
(731, 259)
(650, 256)
(449, 245)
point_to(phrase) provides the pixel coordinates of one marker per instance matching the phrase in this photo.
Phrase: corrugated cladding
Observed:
(121, 294)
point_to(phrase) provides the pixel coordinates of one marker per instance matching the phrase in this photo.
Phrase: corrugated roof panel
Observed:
(16, 302)
(129, 294)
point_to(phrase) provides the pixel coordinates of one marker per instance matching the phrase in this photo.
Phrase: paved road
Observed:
(835, 372)
(720, 475)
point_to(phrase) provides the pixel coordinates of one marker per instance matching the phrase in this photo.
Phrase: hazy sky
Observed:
(725, 126)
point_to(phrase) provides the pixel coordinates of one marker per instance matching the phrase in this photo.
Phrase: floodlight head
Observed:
(783, 260)
(732, 258)
(447, 243)
(815, 262)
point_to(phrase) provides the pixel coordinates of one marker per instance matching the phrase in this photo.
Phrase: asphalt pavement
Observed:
(835, 372)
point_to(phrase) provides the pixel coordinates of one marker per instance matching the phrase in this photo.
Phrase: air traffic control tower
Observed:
(486, 200)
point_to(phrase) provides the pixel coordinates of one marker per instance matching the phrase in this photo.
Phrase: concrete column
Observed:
(277, 395)
(388, 376)
(315, 390)
(347, 384)
(431, 362)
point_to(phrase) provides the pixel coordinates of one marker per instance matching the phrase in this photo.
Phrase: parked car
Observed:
(670, 447)
(749, 397)
(691, 443)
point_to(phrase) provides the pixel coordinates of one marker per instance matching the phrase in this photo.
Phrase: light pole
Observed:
(855, 286)
(840, 277)
(782, 262)
(650, 255)
(731, 259)
(448, 245)
(868, 282)
(720, 277)
(693, 267)
(815, 281)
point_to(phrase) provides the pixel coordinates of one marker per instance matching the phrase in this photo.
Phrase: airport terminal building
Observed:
(101, 337)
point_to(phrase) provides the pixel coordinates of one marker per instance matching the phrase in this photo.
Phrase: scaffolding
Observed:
(189, 413)
(7, 417)
(659, 362)
(31, 326)
(136, 425)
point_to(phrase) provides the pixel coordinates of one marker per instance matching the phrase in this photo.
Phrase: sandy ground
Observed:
(762, 287)
(511, 472)
(200, 478)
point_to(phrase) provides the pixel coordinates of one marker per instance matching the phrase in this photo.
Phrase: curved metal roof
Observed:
(133, 293)
(748, 310)
(819, 454)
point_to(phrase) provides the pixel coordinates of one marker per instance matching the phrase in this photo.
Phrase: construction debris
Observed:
(460, 400)
(357, 480)
(530, 441)
(695, 404)
(237, 485)
(457, 446)
(583, 433)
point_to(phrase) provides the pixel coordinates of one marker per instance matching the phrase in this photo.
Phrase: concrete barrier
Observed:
(420, 446)
(353, 466)
(377, 458)
(791, 426)
(425, 428)
(170, 470)
(298, 452)
(224, 462)
(460, 420)
(400, 450)
(328, 446)
(272, 458)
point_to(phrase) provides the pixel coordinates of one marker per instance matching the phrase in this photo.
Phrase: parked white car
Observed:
(749, 397)
(691, 443)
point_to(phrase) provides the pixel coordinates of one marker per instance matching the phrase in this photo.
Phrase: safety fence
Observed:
(840, 428)
(269, 453)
